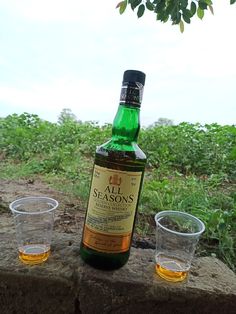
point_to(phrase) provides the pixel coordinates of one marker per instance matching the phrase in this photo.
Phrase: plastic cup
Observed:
(34, 219)
(177, 235)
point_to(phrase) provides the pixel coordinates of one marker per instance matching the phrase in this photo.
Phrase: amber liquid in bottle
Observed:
(116, 184)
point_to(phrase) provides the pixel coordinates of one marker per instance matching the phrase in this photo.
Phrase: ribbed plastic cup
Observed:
(34, 219)
(177, 235)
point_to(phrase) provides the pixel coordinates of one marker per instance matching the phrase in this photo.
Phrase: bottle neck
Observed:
(126, 124)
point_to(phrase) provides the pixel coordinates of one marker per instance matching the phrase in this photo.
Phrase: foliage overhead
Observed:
(176, 11)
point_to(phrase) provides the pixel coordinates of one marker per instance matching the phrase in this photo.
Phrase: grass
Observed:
(190, 168)
(210, 198)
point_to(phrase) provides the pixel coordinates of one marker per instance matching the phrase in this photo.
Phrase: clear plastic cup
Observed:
(177, 235)
(34, 219)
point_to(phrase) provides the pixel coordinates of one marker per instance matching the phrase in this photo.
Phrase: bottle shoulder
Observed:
(115, 148)
(112, 155)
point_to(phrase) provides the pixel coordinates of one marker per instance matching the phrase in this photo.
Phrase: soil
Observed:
(69, 215)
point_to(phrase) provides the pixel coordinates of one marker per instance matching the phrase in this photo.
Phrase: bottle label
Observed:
(132, 94)
(111, 209)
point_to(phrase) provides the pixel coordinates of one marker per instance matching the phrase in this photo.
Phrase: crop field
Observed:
(191, 168)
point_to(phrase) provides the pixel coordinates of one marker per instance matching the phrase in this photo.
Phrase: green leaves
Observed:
(181, 26)
(149, 5)
(193, 8)
(187, 15)
(134, 3)
(122, 6)
(141, 10)
(202, 5)
(183, 4)
(175, 11)
(200, 13)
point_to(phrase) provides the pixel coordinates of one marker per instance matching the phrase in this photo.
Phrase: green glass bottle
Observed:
(116, 184)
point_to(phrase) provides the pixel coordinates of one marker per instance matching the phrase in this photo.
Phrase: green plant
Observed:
(176, 11)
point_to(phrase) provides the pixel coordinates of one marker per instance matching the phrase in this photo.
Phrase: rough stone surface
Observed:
(64, 284)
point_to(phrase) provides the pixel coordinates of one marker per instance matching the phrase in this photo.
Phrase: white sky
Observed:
(72, 54)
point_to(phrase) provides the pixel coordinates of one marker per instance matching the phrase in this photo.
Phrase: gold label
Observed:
(111, 209)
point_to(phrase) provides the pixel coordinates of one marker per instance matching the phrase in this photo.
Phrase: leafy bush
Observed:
(192, 148)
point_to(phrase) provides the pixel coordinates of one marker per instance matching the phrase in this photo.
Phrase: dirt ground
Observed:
(69, 215)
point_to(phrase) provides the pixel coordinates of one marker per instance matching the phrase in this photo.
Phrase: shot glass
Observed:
(34, 219)
(177, 235)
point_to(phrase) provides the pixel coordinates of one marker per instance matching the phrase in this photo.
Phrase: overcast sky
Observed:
(58, 54)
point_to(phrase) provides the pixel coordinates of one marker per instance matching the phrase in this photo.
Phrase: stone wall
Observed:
(65, 285)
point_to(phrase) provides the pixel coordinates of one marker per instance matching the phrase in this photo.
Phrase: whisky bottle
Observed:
(116, 184)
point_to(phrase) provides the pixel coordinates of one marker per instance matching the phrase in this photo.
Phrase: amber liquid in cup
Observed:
(33, 254)
(171, 268)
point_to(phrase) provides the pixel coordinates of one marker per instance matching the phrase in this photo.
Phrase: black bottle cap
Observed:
(134, 76)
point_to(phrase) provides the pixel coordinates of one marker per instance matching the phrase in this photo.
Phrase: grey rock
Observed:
(65, 284)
